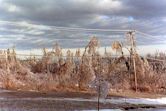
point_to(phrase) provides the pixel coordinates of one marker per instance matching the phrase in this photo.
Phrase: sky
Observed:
(32, 24)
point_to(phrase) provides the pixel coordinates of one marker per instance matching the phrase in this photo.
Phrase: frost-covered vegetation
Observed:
(76, 71)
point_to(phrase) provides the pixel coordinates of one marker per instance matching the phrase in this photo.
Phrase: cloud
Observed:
(28, 23)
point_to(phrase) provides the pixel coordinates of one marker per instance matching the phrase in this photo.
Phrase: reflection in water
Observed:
(22, 103)
(8, 109)
(154, 109)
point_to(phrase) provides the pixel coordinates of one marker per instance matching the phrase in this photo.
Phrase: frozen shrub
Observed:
(53, 71)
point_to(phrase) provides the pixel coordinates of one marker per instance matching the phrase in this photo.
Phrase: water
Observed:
(11, 101)
(151, 109)
(155, 109)
(105, 110)
(9, 109)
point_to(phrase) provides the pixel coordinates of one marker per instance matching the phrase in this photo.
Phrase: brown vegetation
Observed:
(80, 72)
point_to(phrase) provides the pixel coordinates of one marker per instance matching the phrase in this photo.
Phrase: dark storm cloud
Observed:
(75, 10)
(30, 23)
(145, 8)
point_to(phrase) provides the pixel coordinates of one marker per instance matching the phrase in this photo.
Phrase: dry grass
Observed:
(78, 72)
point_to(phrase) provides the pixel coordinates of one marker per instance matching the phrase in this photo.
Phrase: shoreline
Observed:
(88, 93)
